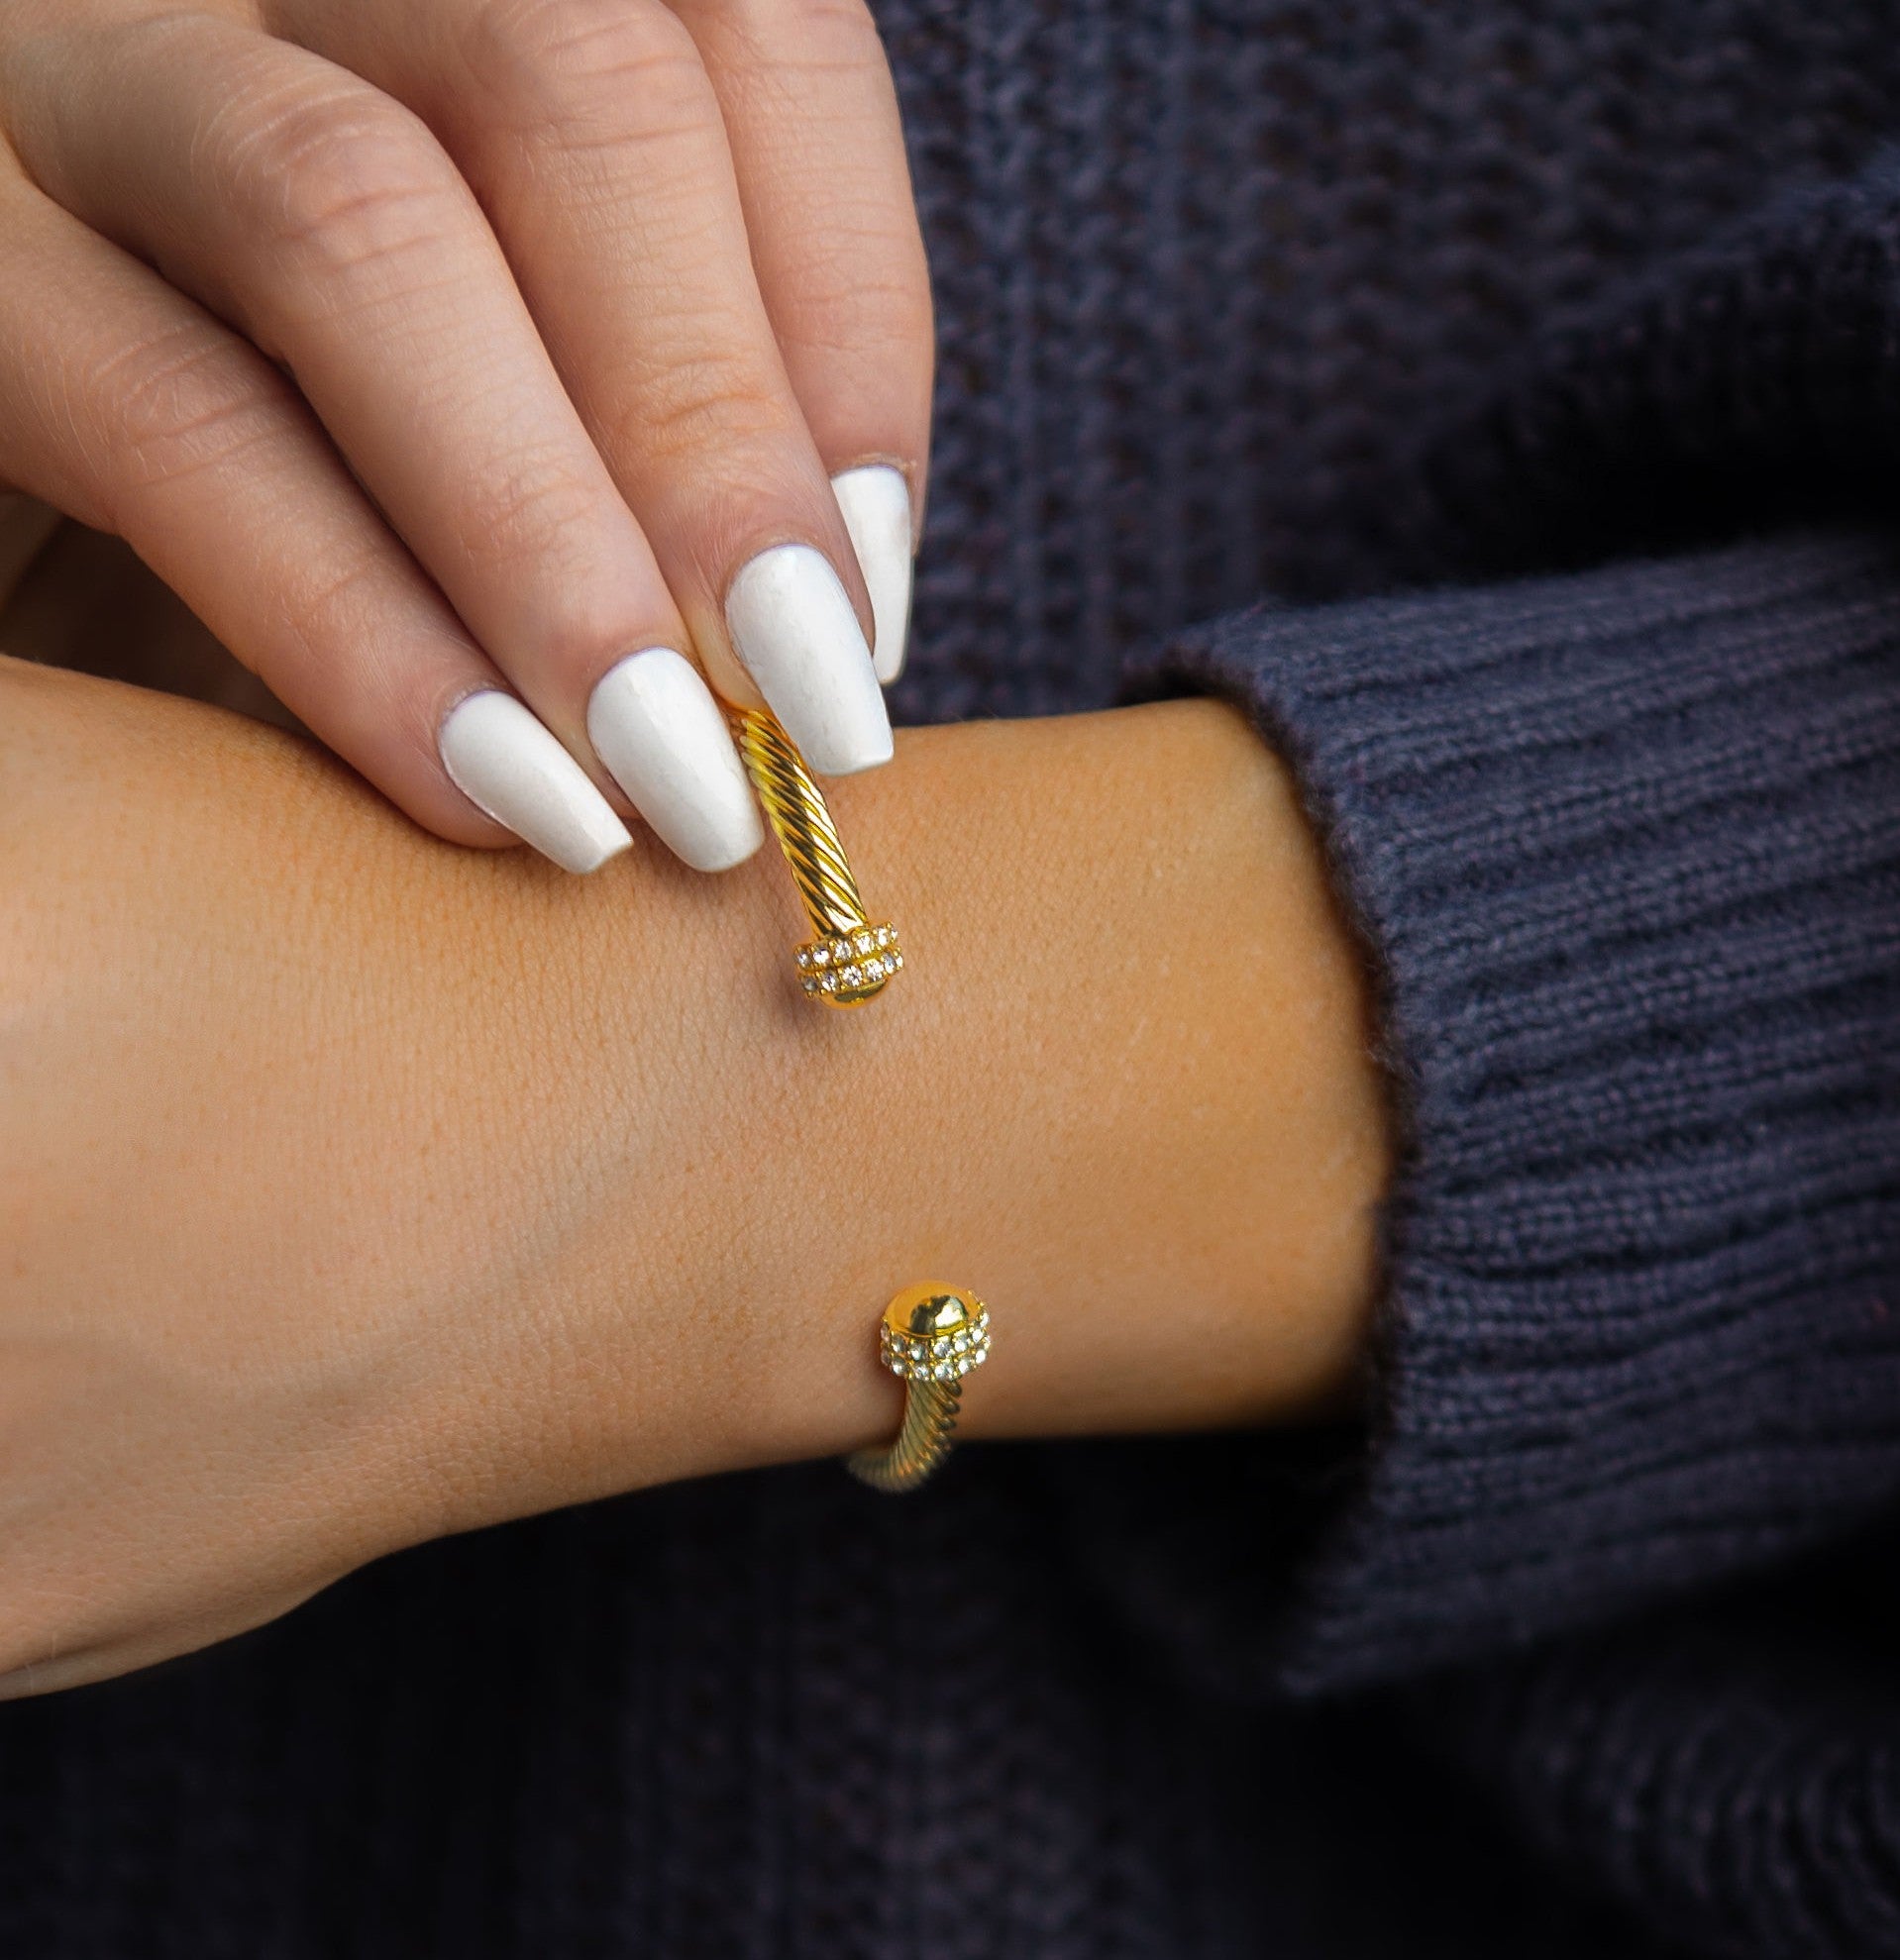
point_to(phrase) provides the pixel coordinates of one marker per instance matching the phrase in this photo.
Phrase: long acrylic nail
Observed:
(511, 769)
(875, 502)
(654, 724)
(794, 626)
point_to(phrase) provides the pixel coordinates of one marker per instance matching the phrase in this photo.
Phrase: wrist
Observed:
(1124, 1091)
(536, 1189)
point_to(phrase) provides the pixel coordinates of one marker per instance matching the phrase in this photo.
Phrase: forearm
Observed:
(504, 1189)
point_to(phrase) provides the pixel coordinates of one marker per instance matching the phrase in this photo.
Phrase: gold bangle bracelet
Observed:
(931, 1336)
(849, 959)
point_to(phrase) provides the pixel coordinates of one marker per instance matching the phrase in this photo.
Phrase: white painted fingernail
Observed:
(654, 724)
(511, 769)
(792, 626)
(875, 502)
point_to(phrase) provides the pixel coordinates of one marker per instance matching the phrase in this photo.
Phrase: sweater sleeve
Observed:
(1728, 1767)
(1622, 845)
(1625, 848)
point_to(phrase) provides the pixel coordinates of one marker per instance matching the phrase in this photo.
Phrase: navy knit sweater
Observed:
(1502, 403)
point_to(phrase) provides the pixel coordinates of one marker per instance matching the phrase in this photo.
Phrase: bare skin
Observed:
(357, 1188)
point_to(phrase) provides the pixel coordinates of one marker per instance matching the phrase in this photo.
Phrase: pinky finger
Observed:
(128, 406)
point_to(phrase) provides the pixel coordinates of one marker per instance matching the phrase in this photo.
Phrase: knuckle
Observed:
(841, 302)
(176, 405)
(809, 32)
(701, 402)
(570, 64)
(535, 504)
(337, 173)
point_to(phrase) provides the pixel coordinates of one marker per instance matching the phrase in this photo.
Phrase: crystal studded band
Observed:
(931, 1336)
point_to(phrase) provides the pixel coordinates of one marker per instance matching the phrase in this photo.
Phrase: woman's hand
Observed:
(353, 1190)
(444, 353)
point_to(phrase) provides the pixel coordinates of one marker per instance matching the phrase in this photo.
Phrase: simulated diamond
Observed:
(959, 1342)
(804, 958)
(897, 957)
(822, 955)
(852, 977)
(840, 951)
(864, 942)
(809, 984)
(884, 935)
(829, 984)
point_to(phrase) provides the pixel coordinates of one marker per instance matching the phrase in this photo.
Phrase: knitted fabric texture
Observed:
(1581, 1650)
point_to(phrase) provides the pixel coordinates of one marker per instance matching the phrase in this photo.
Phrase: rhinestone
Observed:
(899, 958)
(840, 951)
(852, 977)
(809, 984)
(958, 1342)
(829, 984)
(822, 955)
(804, 958)
(883, 936)
(863, 942)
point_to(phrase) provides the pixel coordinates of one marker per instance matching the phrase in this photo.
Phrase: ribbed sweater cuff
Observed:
(1624, 850)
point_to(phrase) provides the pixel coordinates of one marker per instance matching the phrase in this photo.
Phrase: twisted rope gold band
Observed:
(932, 1336)
(929, 1415)
(851, 960)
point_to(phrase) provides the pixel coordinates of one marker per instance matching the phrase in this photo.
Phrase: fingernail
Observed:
(875, 502)
(792, 626)
(654, 724)
(511, 769)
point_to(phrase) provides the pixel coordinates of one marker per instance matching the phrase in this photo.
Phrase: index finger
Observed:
(818, 147)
